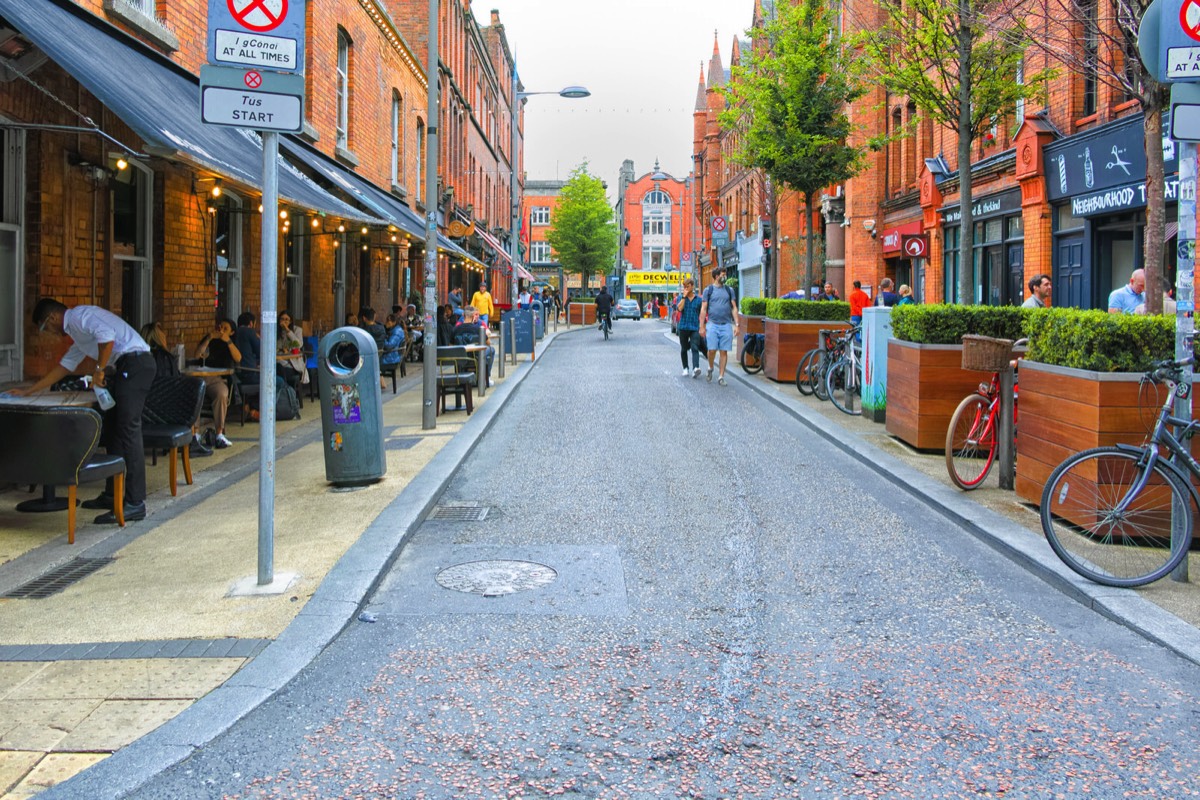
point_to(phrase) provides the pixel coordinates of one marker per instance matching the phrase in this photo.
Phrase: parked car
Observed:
(627, 309)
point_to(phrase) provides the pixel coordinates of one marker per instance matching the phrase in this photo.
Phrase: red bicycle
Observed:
(972, 439)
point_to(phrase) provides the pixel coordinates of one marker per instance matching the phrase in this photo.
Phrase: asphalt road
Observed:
(735, 610)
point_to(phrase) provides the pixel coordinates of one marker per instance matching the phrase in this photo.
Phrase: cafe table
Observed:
(49, 500)
(479, 350)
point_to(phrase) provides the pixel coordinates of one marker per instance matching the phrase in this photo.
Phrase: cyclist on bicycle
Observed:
(604, 306)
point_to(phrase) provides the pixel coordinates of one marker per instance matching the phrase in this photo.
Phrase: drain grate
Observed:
(459, 513)
(58, 579)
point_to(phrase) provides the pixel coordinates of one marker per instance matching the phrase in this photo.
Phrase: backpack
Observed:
(287, 404)
(711, 290)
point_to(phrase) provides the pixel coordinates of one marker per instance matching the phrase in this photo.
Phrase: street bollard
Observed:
(502, 347)
(1007, 443)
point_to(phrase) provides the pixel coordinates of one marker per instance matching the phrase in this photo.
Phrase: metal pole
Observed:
(429, 366)
(503, 349)
(1008, 455)
(1185, 271)
(513, 188)
(266, 374)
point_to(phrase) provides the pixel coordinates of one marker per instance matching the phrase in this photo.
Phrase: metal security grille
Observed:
(58, 579)
(459, 513)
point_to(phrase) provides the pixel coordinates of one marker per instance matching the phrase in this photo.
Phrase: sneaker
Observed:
(197, 449)
(709, 378)
(685, 372)
(696, 372)
(721, 381)
(132, 514)
(222, 442)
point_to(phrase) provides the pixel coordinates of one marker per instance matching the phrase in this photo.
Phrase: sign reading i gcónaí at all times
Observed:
(268, 34)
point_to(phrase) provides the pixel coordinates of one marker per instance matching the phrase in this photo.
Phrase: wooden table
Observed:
(208, 372)
(86, 398)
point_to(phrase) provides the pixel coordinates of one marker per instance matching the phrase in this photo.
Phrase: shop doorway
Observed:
(1071, 285)
(1016, 274)
(12, 191)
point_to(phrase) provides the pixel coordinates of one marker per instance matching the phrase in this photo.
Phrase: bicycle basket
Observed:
(986, 354)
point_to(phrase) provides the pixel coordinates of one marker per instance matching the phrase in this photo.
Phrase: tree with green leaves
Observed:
(788, 101)
(582, 231)
(960, 62)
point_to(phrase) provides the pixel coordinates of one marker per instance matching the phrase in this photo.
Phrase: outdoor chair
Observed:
(168, 420)
(57, 447)
(456, 375)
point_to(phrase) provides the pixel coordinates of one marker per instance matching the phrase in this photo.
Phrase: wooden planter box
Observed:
(581, 314)
(1061, 411)
(749, 324)
(788, 341)
(925, 383)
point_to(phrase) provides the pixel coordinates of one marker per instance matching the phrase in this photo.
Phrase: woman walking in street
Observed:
(688, 306)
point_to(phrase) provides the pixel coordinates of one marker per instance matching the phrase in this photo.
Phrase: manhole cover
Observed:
(496, 578)
(457, 513)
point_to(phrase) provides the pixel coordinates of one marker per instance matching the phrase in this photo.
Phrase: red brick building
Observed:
(1059, 185)
(114, 192)
(659, 224)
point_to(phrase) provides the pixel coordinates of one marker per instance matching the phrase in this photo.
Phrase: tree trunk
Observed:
(810, 241)
(1156, 211)
(966, 271)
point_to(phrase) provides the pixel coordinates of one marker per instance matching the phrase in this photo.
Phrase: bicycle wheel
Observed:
(803, 372)
(971, 442)
(818, 372)
(750, 363)
(843, 387)
(1105, 536)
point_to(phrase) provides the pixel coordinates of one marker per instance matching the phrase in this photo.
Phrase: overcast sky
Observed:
(641, 60)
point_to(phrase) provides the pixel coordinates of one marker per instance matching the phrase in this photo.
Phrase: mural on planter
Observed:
(877, 329)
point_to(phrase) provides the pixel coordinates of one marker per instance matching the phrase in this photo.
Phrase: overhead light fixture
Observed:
(341, 228)
(364, 230)
(216, 190)
(122, 163)
(316, 223)
(283, 213)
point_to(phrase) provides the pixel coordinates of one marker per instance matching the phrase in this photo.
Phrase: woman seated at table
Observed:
(218, 350)
(290, 342)
(447, 319)
(164, 359)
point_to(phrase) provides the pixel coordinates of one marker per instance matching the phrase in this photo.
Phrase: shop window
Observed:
(950, 262)
(343, 89)
(132, 195)
(227, 254)
(1066, 220)
(1016, 227)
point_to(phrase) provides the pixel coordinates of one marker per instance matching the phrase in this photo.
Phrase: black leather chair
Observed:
(168, 419)
(57, 447)
(457, 370)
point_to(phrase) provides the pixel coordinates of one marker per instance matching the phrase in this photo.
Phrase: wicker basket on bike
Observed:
(986, 354)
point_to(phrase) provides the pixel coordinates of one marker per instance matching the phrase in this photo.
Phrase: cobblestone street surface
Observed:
(678, 590)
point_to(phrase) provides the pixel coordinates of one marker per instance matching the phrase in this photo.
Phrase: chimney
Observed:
(495, 17)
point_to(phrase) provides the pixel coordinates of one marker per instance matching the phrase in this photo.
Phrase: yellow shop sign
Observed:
(654, 278)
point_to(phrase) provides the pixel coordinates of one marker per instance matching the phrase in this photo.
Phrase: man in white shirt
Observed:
(122, 363)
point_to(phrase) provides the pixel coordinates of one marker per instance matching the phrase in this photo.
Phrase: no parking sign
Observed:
(257, 33)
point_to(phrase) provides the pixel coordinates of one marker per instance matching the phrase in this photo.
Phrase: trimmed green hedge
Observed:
(1097, 340)
(833, 310)
(946, 324)
(754, 306)
(583, 300)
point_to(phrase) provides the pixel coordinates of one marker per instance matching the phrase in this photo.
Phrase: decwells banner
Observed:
(640, 280)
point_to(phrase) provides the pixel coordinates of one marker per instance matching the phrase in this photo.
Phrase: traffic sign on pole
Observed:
(249, 98)
(257, 33)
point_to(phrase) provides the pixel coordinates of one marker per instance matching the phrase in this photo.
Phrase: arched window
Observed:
(656, 230)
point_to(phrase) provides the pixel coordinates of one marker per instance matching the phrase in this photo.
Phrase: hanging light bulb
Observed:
(337, 243)
(260, 208)
(316, 223)
(216, 190)
(283, 213)
(364, 230)
(122, 163)
(341, 228)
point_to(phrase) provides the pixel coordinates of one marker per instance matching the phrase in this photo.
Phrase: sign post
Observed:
(255, 80)
(1169, 43)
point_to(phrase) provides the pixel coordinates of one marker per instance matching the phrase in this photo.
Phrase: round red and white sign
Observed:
(258, 15)
(718, 223)
(915, 247)
(1189, 18)
(253, 79)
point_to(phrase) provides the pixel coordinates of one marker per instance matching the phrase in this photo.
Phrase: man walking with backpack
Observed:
(718, 321)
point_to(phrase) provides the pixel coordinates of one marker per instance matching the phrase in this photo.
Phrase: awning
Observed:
(493, 243)
(1169, 231)
(156, 98)
(526, 274)
(358, 189)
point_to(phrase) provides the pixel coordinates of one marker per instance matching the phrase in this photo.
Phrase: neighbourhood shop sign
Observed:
(1121, 198)
(1003, 203)
(1108, 157)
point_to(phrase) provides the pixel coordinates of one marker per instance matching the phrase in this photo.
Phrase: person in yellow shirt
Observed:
(482, 300)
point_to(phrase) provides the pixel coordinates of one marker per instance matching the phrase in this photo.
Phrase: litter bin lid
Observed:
(345, 350)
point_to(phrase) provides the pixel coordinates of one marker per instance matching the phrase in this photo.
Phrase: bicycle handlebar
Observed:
(1169, 370)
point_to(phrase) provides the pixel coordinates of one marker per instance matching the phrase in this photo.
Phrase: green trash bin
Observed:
(351, 407)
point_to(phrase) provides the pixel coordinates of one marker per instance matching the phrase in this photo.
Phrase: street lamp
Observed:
(570, 92)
